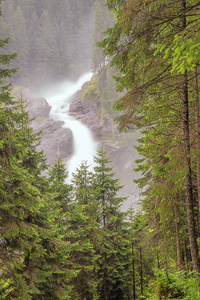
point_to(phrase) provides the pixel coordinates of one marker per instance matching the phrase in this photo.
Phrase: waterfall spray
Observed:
(84, 144)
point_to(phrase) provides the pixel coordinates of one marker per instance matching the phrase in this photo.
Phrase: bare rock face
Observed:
(86, 112)
(55, 140)
(84, 109)
(38, 108)
(121, 149)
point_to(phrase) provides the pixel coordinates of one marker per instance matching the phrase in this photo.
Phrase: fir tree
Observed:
(113, 253)
(85, 234)
(140, 43)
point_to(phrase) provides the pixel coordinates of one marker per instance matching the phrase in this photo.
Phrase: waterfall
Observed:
(59, 98)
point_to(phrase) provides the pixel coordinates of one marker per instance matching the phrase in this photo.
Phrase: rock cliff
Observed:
(87, 112)
(57, 141)
(120, 149)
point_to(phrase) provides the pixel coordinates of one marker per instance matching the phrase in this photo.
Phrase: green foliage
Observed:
(184, 48)
(32, 251)
(174, 285)
(91, 91)
(154, 47)
(113, 262)
(61, 241)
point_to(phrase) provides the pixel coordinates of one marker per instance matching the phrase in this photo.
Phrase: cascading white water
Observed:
(59, 98)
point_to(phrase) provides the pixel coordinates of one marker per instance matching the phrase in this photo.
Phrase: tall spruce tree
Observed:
(33, 251)
(5, 118)
(85, 233)
(31, 248)
(151, 81)
(114, 257)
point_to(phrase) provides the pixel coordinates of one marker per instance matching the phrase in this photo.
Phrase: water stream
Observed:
(59, 98)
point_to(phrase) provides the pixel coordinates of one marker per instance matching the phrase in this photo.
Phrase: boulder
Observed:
(55, 140)
(38, 107)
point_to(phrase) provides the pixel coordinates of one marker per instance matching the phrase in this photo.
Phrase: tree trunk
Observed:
(158, 260)
(133, 265)
(188, 181)
(105, 280)
(141, 272)
(178, 248)
(197, 123)
(188, 257)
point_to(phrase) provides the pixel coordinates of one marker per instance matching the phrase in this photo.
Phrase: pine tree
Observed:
(137, 42)
(143, 253)
(58, 185)
(114, 257)
(47, 57)
(34, 254)
(31, 249)
(20, 44)
(85, 233)
(98, 58)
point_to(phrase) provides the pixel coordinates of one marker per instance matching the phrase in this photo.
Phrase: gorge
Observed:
(71, 128)
(84, 144)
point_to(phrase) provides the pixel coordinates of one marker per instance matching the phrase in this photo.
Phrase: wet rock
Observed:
(123, 159)
(121, 149)
(86, 112)
(38, 107)
(55, 140)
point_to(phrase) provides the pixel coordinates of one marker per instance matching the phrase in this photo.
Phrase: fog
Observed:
(59, 97)
(56, 48)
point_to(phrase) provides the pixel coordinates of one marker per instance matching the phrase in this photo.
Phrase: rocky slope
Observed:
(86, 111)
(121, 149)
(57, 141)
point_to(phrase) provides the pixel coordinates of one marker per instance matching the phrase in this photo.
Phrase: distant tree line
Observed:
(53, 39)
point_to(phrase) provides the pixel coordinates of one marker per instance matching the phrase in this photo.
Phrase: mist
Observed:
(59, 97)
(55, 46)
(53, 42)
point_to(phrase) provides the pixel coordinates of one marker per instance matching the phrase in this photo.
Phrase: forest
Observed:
(63, 240)
(53, 40)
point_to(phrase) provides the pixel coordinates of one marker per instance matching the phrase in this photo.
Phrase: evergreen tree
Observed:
(85, 234)
(66, 42)
(27, 7)
(143, 253)
(60, 205)
(114, 258)
(57, 182)
(20, 37)
(33, 33)
(5, 119)
(33, 251)
(151, 81)
(47, 58)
